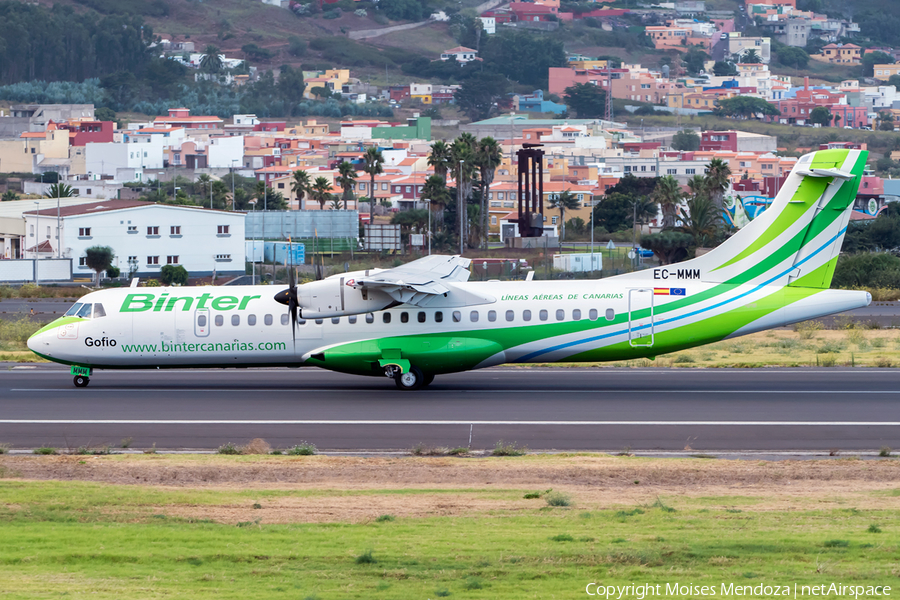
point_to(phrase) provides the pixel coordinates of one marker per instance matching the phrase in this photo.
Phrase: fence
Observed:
(29, 269)
(301, 224)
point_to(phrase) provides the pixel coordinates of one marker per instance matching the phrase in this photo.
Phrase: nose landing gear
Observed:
(82, 381)
(82, 375)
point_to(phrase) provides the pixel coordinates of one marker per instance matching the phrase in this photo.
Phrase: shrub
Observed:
(84, 450)
(532, 495)
(826, 360)
(562, 537)
(303, 449)
(385, 519)
(683, 358)
(808, 329)
(421, 449)
(559, 499)
(856, 336)
(883, 362)
(458, 451)
(873, 528)
(256, 446)
(229, 448)
(45, 450)
(366, 558)
(473, 583)
(831, 347)
(442, 592)
(4, 448)
(836, 543)
(629, 513)
(502, 449)
(885, 451)
(113, 272)
(877, 342)
(257, 505)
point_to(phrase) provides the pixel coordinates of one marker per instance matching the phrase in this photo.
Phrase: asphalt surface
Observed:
(769, 410)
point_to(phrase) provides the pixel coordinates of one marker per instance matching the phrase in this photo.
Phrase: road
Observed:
(560, 408)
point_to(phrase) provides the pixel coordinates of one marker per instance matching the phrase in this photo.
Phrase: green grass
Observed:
(111, 541)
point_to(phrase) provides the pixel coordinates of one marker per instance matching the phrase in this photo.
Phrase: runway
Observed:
(703, 410)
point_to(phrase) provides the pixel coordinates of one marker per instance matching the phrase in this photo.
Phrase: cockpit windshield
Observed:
(98, 310)
(84, 312)
(74, 310)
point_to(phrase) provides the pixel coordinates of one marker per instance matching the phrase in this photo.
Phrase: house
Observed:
(36, 117)
(488, 24)
(535, 102)
(739, 45)
(181, 117)
(460, 54)
(26, 153)
(333, 80)
(145, 236)
(533, 11)
(844, 54)
(885, 72)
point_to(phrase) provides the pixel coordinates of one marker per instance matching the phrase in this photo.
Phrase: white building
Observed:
(144, 235)
(126, 161)
(489, 24)
(225, 152)
(460, 54)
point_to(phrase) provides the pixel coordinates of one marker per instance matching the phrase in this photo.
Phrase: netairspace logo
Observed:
(767, 590)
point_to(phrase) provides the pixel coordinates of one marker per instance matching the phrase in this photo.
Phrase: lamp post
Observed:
(428, 202)
(592, 236)
(37, 239)
(253, 249)
(461, 207)
(233, 160)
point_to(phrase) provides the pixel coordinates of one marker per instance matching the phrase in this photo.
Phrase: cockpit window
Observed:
(85, 312)
(98, 310)
(74, 310)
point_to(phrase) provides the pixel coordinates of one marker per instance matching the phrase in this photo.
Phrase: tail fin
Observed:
(796, 241)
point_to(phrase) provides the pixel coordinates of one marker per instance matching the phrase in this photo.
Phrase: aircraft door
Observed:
(201, 322)
(640, 317)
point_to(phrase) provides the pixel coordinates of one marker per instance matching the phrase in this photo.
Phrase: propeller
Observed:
(288, 297)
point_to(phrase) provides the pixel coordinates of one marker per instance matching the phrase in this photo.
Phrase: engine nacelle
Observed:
(336, 297)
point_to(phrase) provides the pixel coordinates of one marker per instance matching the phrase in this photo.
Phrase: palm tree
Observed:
(668, 194)
(699, 186)
(336, 203)
(563, 202)
(300, 186)
(61, 190)
(345, 179)
(702, 220)
(718, 175)
(464, 163)
(488, 155)
(374, 165)
(467, 138)
(321, 191)
(751, 57)
(435, 190)
(203, 183)
(439, 158)
(211, 61)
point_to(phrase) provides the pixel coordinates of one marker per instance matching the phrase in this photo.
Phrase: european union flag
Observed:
(677, 292)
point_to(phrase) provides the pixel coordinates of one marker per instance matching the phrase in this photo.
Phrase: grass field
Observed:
(358, 528)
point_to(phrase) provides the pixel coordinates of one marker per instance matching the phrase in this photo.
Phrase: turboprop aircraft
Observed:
(425, 318)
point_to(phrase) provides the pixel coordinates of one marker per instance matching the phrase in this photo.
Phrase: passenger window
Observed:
(267, 319)
(576, 314)
(526, 315)
(438, 317)
(560, 314)
(98, 310)
(510, 315)
(335, 320)
(85, 312)
(457, 316)
(251, 320)
(220, 320)
(492, 315)
(201, 320)
(386, 317)
(592, 315)
(543, 314)
(421, 317)
(301, 321)
(319, 321)
(370, 317)
(236, 320)
(473, 316)
(351, 319)
(404, 317)
(284, 319)
(610, 314)
(74, 310)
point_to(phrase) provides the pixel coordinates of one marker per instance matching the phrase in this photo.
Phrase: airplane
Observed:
(424, 319)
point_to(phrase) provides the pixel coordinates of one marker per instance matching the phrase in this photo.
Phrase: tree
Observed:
(173, 275)
(401, 10)
(211, 62)
(98, 259)
(61, 190)
(820, 116)
(436, 192)
(724, 68)
(790, 56)
(439, 158)
(885, 121)
(669, 246)
(894, 80)
(464, 164)
(614, 212)
(104, 114)
(745, 107)
(875, 58)
(290, 84)
(523, 56)
(702, 220)
(345, 180)
(686, 140)
(479, 94)
(586, 99)
(751, 57)
(374, 162)
(300, 186)
(335, 203)
(694, 59)
(321, 191)
(668, 195)
(718, 176)
(488, 156)
(9, 196)
(563, 202)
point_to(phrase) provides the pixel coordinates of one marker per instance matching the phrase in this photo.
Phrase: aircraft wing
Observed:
(416, 281)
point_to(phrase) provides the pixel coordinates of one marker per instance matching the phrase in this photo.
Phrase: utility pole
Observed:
(461, 207)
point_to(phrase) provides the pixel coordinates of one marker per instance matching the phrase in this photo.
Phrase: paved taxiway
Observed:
(556, 408)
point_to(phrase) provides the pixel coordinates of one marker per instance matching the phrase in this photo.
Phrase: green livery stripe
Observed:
(819, 278)
(808, 193)
(58, 323)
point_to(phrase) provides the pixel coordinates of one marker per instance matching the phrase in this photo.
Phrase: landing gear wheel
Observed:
(411, 380)
(81, 381)
(428, 379)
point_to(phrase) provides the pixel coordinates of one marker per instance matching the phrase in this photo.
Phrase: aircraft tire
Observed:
(81, 381)
(411, 380)
(429, 377)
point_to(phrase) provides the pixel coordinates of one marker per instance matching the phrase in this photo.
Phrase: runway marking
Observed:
(453, 391)
(429, 422)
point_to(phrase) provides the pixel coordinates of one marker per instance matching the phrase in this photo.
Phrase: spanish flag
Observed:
(660, 291)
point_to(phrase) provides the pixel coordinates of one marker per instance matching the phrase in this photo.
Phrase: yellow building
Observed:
(23, 155)
(844, 54)
(332, 79)
(884, 72)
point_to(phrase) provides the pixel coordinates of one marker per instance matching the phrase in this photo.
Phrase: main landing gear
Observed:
(82, 381)
(410, 381)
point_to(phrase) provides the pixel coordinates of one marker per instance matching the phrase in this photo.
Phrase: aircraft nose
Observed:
(34, 341)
